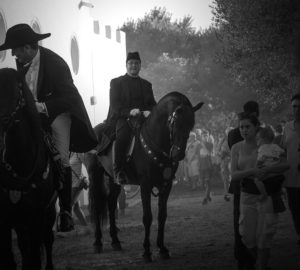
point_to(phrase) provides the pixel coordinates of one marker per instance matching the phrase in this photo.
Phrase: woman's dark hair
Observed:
(251, 107)
(248, 116)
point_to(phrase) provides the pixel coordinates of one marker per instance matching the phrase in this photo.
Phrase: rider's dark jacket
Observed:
(127, 93)
(56, 89)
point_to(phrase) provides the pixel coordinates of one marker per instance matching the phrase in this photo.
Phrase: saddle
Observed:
(106, 135)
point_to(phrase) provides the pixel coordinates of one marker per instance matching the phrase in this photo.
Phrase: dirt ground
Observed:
(198, 237)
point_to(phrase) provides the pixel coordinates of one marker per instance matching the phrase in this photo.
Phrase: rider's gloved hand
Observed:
(146, 113)
(41, 107)
(134, 112)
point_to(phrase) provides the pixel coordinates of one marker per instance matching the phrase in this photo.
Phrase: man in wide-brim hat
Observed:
(20, 35)
(57, 100)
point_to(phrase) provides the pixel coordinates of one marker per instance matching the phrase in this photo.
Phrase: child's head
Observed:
(264, 136)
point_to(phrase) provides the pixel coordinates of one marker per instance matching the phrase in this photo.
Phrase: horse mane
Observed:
(177, 99)
(178, 96)
(13, 79)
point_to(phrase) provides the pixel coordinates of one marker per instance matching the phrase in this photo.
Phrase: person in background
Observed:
(79, 182)
(57, 100)
(224, 156)
(205, 164)
(278, 134)
(291, 143)
(130, 96)
(240, 251)
(192, 160)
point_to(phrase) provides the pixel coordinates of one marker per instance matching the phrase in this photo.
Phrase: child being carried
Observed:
(270, 154)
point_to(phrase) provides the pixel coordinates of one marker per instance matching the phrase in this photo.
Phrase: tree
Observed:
(175, 57)
(258, 40)
(156, 34)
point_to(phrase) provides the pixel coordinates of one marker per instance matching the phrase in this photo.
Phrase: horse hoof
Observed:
(116, 246)
(164, 255)
(98, 249)
(49, 267)
(147, 257)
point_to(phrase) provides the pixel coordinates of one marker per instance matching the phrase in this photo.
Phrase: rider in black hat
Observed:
(57, 100)
(130, 95)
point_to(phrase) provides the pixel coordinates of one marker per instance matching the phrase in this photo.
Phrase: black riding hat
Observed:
(19, 35)
(133, 56)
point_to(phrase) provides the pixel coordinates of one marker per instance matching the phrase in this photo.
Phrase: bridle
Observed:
(159, 156)
(171, 124)
(8, 123)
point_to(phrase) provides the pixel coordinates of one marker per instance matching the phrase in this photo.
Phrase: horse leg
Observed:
(112, 206)
(48, 236)
(162, 217)
(36, 237)
(98, 245)
(147, 220)
(97, 198)
(24, 246)
(6, 255)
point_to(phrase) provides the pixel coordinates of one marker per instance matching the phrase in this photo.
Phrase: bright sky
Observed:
(116, 12)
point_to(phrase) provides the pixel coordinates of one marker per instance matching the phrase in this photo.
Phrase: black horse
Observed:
(27, 194)
(159, 145)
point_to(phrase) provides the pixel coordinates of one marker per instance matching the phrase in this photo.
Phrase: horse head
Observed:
(180, 123)
(172, 119)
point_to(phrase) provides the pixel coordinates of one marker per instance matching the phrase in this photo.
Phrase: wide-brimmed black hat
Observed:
(133, 56)
(19, 35)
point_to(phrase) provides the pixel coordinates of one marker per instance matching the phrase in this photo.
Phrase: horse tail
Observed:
(98, 191)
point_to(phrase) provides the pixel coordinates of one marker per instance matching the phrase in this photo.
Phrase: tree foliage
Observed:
(258, 39)
(176, 57)
(155, 34)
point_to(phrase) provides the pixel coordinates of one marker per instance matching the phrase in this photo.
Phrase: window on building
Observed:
(108, 31)
(2, 34)
(118, 36)
(75, 55)
(96, 27)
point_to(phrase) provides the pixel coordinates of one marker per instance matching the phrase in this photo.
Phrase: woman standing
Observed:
(205, 164)
(257, 219)
(192, 160)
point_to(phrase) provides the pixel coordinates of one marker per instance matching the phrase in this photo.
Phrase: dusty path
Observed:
(199, 237)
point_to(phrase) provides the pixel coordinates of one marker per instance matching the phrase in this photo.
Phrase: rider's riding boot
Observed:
(119, 155)
(123, 134)
(64, 195)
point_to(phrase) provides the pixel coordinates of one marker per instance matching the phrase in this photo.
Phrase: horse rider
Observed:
(57, 100)
(130, 96)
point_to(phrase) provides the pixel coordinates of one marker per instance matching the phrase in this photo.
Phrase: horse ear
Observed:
(198, 106)
(179, 109)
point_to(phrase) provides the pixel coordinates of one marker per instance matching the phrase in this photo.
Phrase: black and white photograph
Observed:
(150, 135)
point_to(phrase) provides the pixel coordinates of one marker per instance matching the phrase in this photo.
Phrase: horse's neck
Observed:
(157, 131)
(22, 146)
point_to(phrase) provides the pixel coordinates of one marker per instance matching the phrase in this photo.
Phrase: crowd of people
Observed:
(207, 157)
(258, 164)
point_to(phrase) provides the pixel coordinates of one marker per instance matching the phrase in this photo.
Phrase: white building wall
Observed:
(100, 58)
